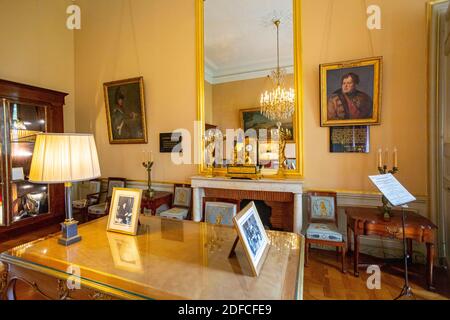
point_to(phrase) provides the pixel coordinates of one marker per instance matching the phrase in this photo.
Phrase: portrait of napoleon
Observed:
(350, 94)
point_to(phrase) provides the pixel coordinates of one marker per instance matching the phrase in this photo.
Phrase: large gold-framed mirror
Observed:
(248, 56)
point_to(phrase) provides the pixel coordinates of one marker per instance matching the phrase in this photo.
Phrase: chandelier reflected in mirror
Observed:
(278, 104)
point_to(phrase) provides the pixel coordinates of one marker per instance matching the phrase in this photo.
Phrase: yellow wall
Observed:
(162, 50)
(164, 53)
(37, 48)
(336, 31)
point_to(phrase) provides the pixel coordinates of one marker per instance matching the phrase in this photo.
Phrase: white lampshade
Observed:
(59, 158)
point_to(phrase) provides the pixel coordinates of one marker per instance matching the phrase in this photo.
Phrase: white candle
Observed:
(380, 159)
(395, 158)
(386, 158)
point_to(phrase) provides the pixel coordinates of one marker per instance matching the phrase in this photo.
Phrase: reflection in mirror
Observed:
(249, 79)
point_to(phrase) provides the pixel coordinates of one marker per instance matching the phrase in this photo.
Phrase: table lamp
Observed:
(65, 158)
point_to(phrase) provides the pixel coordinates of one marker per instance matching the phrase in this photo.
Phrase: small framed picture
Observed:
(124, 210)
(350, 139)
(253, 236)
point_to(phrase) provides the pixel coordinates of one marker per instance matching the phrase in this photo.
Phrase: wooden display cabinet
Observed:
(26, 111)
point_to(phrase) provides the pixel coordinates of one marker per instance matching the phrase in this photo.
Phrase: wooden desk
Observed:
(369, 221)
(168, 259)
(158, 199)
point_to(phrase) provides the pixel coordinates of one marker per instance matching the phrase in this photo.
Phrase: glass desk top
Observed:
(169, 259)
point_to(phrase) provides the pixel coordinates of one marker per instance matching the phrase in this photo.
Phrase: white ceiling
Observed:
(240, 38)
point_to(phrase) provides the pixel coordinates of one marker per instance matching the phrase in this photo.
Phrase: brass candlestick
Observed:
(148, 166)
(386, 209)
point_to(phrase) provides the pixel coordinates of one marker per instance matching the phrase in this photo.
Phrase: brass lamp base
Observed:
(69, 233)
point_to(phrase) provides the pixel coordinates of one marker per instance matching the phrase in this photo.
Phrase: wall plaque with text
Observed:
(349, 139)
(168, 141)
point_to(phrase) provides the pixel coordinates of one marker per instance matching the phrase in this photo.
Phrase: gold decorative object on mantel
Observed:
(244, 172)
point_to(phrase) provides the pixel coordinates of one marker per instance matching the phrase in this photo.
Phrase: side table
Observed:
(159, 198)
(365, 221)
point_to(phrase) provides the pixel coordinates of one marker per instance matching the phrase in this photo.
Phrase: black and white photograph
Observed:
(252, 236)
(124, 210)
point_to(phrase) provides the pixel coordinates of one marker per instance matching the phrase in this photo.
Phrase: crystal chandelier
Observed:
(278, 104)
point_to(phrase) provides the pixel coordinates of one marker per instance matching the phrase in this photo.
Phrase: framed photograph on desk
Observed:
(124, 210)
(253, 236)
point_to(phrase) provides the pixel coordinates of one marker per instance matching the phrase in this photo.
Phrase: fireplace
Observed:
(279, 202)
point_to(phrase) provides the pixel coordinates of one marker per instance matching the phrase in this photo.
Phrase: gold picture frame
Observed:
(252, 236)
(124, 211)
(350, 92)
(272, 124)
(203, 168)
(125, 111)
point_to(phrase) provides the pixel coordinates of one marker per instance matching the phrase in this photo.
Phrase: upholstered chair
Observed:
(220, 211)
(322, 228)
(181, 207)
(103, 199)
(83, 194)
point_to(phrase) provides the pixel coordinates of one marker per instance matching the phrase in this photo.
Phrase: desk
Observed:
(168, 259)
(369, 221)
(158, 199)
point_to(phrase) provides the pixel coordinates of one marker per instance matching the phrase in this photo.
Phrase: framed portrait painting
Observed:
(124, 210)
(125, 111)
(253, 236)
(351, 92)
(254, 119)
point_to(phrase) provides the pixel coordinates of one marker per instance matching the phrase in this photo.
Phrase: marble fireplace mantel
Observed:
(295, 187)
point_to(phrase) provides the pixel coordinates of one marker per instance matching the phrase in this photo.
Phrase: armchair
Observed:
(84, 195)
(100, 209)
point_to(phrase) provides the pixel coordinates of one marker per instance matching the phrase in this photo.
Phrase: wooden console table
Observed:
(158, 199)
(369, 221)
(168, 259)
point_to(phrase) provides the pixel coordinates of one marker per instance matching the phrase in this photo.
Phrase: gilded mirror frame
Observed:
(200, 79)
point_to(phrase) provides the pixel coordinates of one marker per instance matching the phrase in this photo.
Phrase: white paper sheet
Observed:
(396, 194)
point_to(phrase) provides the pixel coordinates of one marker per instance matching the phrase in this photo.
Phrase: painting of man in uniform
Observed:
(351, 93)
(125, 111)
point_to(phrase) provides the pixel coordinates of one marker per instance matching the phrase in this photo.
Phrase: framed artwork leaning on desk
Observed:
(253, 236)
(124, 210)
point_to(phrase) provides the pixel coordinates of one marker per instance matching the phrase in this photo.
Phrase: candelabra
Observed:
(386, 209)
(148, 166)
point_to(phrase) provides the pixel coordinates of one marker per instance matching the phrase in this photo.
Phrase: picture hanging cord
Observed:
(327, 31)
(133, 28)
(119, 34)
(369, 32)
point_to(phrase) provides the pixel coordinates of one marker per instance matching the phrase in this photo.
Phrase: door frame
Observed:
(437, 11)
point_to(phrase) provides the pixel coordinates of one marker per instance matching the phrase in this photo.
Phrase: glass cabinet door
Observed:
(2, 159)
(28, 199)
